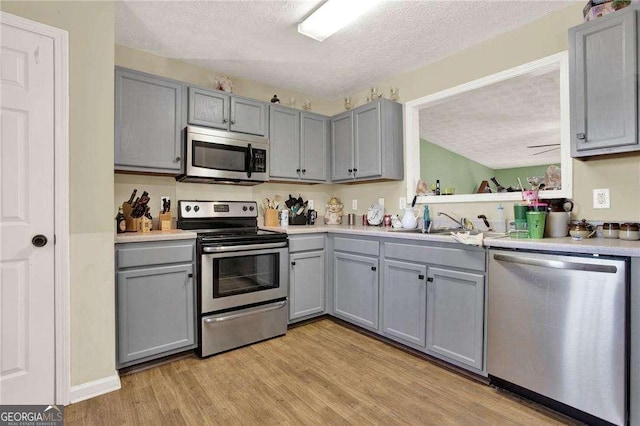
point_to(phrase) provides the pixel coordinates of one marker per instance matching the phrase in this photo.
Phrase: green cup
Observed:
(520, 212)
(535, 223)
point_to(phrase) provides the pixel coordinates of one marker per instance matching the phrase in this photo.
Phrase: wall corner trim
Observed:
(95, 388)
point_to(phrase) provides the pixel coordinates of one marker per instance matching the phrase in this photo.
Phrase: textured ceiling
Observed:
(494, 125)
(258, 40)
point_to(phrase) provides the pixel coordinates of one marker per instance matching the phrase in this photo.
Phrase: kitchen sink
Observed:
(487, 234)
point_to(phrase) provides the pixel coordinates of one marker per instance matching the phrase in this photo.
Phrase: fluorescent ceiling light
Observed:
(332, 16)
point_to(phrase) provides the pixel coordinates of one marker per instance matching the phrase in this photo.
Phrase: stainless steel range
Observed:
(242, 274)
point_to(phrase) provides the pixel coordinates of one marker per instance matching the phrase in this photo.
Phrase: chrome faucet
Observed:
(462, 223)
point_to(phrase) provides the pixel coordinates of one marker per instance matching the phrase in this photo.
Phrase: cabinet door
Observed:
(405, 301)
(306, 289)
(367, 141)
(155, 311)
(284, 143)
(355, 289)
(248, 116)
(342, 147)
(455, 315)
(208, 108)
(314, 140)
(603, 64)
(148, 123)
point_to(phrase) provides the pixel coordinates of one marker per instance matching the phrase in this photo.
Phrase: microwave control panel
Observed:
(259, 160)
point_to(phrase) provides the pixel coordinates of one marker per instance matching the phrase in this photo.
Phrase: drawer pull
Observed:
(293, 263)
(430, 279)
(190, 275)
(373, 268)
(421, 277)
(581, 136)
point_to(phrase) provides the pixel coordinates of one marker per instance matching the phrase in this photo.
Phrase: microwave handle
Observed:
(250, 162)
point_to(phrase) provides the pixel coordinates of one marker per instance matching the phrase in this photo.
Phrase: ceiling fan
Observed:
(555, 145)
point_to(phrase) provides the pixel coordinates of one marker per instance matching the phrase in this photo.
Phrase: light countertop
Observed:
(604, 246)
(140, 237)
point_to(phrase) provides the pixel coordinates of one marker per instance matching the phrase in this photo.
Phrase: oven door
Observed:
(221, 155)
(235, 276)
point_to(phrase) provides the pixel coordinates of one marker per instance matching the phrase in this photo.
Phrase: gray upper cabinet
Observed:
(208, 108)
(367, 143)
(405, 301)
(603, 68)
(155, 300)
(284, 143)
(220, 110)
(299, 143)
(455, 315)
(342, 147)
(248, 116)
(314, 147)
(355, 289)
(148, 123)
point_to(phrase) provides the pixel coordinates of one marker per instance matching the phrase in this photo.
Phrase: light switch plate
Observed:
(354, 204)
(381, 201)
(601, 199)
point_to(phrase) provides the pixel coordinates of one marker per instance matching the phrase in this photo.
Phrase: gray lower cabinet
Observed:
(155, 300)
(455, 315)
(355, 289)
(220, 110)
(367, 143)
(405, 301)
(307, 284)
(603, 61)
(299, 145)
(148, 123)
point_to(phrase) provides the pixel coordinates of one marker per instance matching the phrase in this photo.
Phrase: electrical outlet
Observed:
(354, 204)
(403, 202)
(601, 199)
(381, 201)
(162, 198)
(310, 204)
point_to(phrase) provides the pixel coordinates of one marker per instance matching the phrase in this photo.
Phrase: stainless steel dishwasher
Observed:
(557, 327)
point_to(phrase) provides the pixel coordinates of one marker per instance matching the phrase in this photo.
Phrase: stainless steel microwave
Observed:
(216, 156)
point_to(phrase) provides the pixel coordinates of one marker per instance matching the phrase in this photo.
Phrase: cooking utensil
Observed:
(277, 201)
(413, 203)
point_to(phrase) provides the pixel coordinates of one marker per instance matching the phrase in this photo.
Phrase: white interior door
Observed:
(27, 369)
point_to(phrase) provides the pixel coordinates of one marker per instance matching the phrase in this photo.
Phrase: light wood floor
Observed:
(319, 373)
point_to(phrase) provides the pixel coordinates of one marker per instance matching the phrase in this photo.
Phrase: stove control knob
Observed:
(251, 208)
(188, 208)
(196, 208)
(244, 208)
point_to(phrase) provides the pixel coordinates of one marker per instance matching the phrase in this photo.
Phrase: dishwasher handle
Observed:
(556, 264)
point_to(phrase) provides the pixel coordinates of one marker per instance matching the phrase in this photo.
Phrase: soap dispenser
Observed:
(426, 219)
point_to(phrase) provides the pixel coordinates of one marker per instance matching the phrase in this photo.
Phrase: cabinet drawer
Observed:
(315, 242)
(356, 246)
(454, 257)
(157, 253)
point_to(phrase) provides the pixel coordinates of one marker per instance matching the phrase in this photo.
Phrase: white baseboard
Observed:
(95, 388)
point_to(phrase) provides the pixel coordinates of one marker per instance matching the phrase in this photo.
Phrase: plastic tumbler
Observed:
(535, 222)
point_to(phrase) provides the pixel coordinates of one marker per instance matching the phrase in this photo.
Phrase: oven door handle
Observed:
(222, 249)
(215, 320)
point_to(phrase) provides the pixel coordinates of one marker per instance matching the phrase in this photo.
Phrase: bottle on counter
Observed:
(121, 224)
(501, 226)
(426, 219)
(438, 187)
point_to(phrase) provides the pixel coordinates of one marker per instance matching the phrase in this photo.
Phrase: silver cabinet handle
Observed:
(214, 320)
(224, 120)
(556, 264)
(177, 160)
(581, 136)
(222, 249)
(233, 121)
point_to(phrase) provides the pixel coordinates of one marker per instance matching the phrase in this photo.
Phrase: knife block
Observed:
(164, 221)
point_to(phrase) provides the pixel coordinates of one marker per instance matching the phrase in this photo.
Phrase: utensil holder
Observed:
(298, 219)
(271, 217)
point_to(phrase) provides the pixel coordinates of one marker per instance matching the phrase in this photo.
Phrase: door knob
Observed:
(39, 240)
